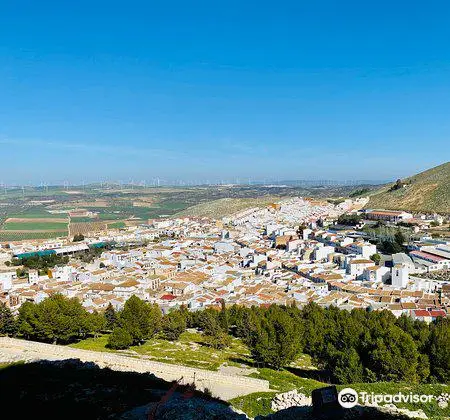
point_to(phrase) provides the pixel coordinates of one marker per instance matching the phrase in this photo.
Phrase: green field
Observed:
(116, 225)
(34, 226)
(6, 236)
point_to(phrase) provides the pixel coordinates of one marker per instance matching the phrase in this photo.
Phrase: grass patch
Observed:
(189, 350)
(283, 381)
(4, 365)
(257, 404)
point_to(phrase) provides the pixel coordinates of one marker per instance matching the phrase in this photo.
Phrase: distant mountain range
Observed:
(428, 191)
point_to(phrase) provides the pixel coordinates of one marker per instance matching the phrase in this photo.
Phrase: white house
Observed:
(356, 267)
(322, 252)
(376, 273)
(6, 278)
(223, 247)
(400, 276)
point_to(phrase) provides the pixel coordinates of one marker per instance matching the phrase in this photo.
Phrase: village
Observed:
(291, 252)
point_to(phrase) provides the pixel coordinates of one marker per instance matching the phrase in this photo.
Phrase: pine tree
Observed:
(119, 339)
(173, 325)
(440, 350)
(110, 317)
(141, 319)
(8, 325)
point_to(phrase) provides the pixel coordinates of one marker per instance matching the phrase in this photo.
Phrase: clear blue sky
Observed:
(223, 89)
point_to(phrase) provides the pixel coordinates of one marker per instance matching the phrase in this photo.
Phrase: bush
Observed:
(119, 339)
(376, 258)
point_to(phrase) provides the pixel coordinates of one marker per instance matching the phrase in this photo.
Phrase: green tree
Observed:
(119, 339)
(110, 317)
(247, 321)
(141, 319)
(277, 342)
(349, 219)
(8, 324)
(390, 247)
(376, 258)
(439, 350)
(78, 237)
(394, 356)
(173, 325)
(399, 238)
(214, 334)
(56, 319)
(347, 367)
(223, 316)
(96, 323)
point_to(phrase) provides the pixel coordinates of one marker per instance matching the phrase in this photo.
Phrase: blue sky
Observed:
(222, 89)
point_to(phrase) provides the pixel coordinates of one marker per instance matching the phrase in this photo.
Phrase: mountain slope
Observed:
(217, 209)
(428, 191)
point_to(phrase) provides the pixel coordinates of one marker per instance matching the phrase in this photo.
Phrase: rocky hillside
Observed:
(428, 191)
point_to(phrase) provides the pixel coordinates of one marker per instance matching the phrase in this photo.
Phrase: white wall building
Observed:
(400, 276)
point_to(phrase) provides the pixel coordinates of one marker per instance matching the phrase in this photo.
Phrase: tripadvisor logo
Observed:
(348, 398)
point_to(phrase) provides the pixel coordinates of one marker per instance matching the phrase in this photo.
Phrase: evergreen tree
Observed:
(8, 325)
(56, 319)
(214, 334)
(173, 325)
(119, 339)
(399, 237)
(347, 367)
(96, 323)
(141, 319)
(110, 317)
(223, 316)
(439, 350)
(277, 341)
(393, 356)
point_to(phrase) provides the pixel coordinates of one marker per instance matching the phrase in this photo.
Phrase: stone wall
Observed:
(221, 385)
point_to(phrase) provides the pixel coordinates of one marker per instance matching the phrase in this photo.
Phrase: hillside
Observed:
(428, 191)
(217, 209)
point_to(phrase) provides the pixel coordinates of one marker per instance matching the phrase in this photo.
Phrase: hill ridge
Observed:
(427, 191)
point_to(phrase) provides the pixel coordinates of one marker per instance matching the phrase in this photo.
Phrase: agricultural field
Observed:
(32, 226)
(14, 236)
(32, 223)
